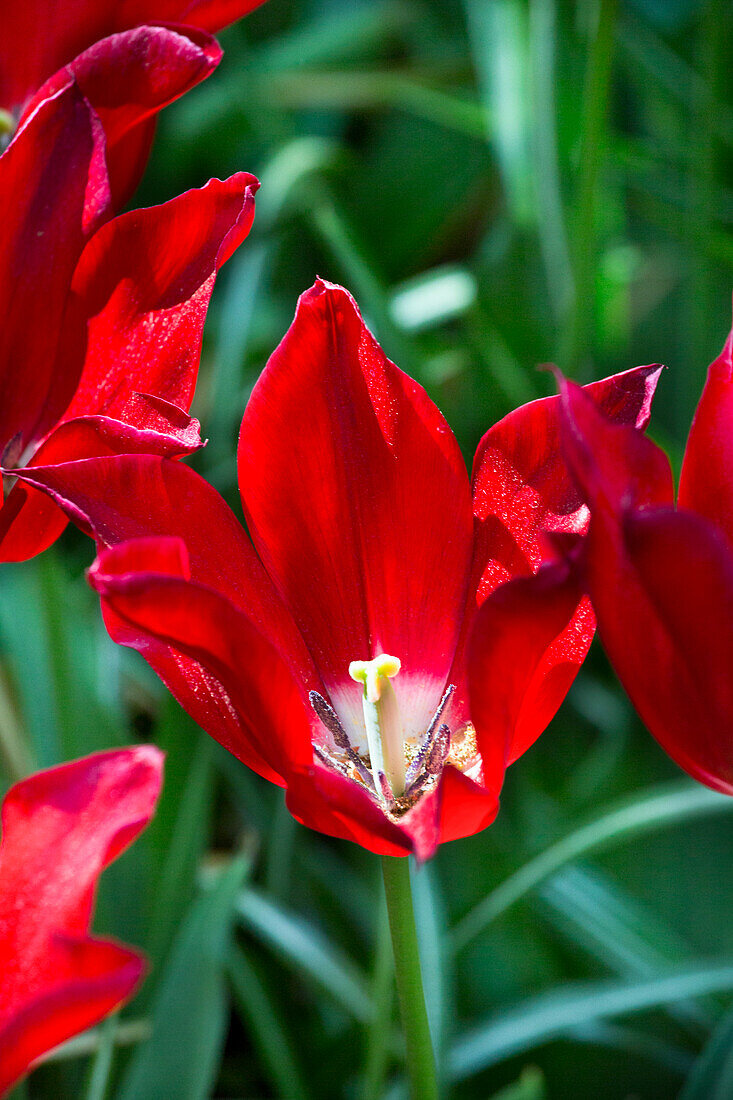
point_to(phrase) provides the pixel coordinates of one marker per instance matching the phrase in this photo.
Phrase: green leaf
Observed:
(643, 812)
(303, 947)
(190, 1012)
(265, 1026)
(529, 1086)
(712, 1075)
(552, 1014)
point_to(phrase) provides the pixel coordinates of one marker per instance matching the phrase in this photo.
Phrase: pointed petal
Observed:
(139, 300)
(127, 78)
(527, 643)
(151, 604)
(358, 502)
(60, 829)
(706, 481)
(53, 179)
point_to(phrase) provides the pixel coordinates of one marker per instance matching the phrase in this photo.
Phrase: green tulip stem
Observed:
(421, 1068)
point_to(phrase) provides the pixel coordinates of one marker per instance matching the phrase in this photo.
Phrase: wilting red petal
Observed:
(527, 643)
(53, 188)
(139, 299)
(29, 57)
(127, 78)
(358, 501)
(706, 481)
(61, 828)
(150, 607)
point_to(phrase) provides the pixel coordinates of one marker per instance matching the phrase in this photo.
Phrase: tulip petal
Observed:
(357, 499)
(465, 806)
(529, 639)
(521, 484)
(661, 583)
(329, 803)
(139, 299)
(706, 480)
(28, 58)
(30, 521)
(127, 78)
(53, 179)
(665, 614)
(143, 496)
(61, 828)
(220, 667)
(614, 466)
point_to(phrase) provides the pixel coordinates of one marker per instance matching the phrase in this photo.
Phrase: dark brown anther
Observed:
(419, 764)
(330, 719)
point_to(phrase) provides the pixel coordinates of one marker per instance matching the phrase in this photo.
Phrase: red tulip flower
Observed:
(660, 578)
(392, 640)
(60, 829)
(101, 318)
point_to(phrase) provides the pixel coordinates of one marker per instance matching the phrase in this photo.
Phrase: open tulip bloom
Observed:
(660, 577)
(392, 640)
(60, 829)
(102, 317)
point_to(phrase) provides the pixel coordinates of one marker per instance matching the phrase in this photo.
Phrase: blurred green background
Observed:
(501, 183)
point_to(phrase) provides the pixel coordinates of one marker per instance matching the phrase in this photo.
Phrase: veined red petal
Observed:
(529, 639)
(706, 480)
(127, 78)
(139, 299)
(53, 184)
(357, 499)
(61, 828)
(150, 602)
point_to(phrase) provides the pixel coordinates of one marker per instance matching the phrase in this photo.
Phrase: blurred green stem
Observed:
(591, 152)
(408, 977)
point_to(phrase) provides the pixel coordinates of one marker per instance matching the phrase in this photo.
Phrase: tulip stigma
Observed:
(383, 723)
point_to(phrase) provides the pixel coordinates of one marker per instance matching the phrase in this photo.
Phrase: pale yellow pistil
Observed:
(382, 720)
